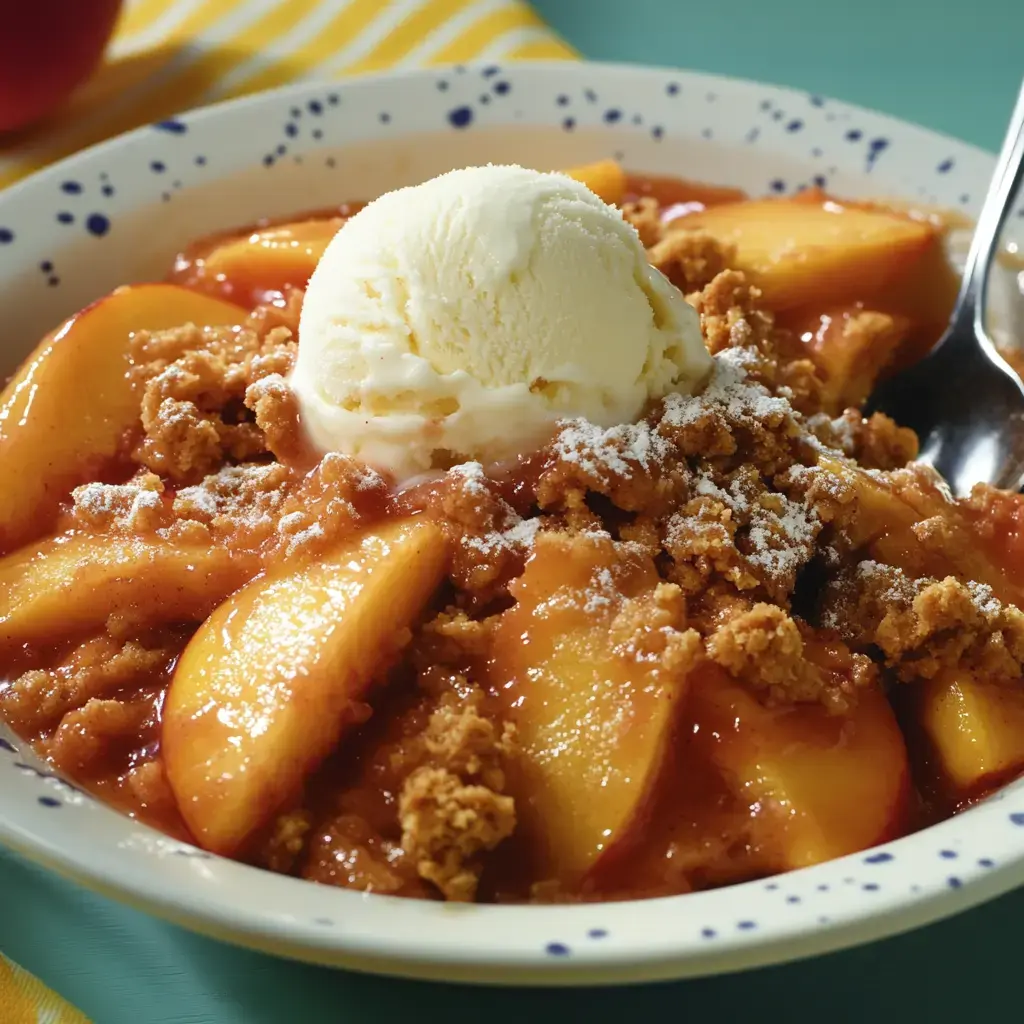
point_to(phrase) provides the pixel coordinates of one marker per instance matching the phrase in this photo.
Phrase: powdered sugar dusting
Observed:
(248, 494)
(984, 599)
(518, 537)
(616, 450)
(122, 505)
(893, 587)
(471, 478)
(776, 533)
(731, 393)
(302, 538)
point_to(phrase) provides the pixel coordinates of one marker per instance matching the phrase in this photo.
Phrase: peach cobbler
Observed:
(674, 617)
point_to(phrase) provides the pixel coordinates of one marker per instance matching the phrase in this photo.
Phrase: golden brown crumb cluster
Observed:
(689, 258)
(924, 626)
(452, 809)
(194, 383)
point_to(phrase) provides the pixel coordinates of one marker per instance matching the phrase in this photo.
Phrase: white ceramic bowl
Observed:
(118, 212)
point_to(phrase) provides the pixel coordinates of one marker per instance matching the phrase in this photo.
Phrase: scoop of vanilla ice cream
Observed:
(462, 318)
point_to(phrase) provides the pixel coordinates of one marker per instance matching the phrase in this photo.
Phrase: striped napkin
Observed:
(23, 1000)
(170, 55)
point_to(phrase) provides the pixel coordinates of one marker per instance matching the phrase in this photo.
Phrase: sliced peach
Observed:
(883, 522)
(884, 527)
(63, 416)
(818, 785)
(680, 197)
(265, 262)
(268, 684)
(605, 178)
(919, 301)
(851, 347)
(594, 719)
(888, 529)
(74, 582)
(800, 252)
(924, 297)
(974, 729)
(260, 265)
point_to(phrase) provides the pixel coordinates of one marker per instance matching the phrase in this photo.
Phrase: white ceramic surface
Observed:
(118, 212)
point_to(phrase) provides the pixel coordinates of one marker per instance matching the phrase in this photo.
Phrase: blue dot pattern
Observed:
(97, 224)
(477, 97)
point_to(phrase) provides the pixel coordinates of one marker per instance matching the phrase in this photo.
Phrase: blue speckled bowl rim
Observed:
(901, 885)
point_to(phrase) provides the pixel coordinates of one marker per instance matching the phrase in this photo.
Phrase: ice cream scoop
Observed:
(463, 317)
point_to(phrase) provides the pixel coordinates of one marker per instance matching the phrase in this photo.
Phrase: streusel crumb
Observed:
(765, 649)
(100, 668)
(645, 215)
(194, 382)
(447, 823)
(923, 626)
(877, 442)
(690, 259)
(287, 840)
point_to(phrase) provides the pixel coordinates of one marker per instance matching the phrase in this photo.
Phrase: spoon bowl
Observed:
(963, 399)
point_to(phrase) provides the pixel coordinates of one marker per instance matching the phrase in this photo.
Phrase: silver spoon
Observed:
(964, 401)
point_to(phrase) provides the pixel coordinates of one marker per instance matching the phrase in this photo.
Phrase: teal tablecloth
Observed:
(953, 66)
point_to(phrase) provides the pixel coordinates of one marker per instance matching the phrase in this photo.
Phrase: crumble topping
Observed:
(876, 442)
(690, 258)
(194, 382)
(765, 649)
(98, 669)
(136, 507)
(446, 823)
(924, 626)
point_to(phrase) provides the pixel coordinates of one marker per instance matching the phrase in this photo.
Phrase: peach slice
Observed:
(885, 528)
(66, 411)
(818, 785)
(800, 252)
(74, 582)
(975, 730)
(680, 197)
(257, 266)
(268, 684)
(265, 262)
(593, 719)
(852, 347)
(605, 178)
(888, 515)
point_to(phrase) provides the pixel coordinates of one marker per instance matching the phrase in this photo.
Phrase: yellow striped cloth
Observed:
(170, 55)
(23, 1000)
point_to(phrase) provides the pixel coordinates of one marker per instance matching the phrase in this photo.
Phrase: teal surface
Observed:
(954, 67)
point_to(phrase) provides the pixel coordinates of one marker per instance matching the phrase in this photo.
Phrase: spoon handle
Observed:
(968, 316)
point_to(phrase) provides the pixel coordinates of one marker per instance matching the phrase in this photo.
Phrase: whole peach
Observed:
(47, 48)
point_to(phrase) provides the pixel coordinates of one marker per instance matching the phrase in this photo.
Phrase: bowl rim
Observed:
(406, 952)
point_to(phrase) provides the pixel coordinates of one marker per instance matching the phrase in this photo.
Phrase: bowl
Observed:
(117, 214)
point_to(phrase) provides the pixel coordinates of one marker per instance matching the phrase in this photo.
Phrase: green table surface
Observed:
(952, 65)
